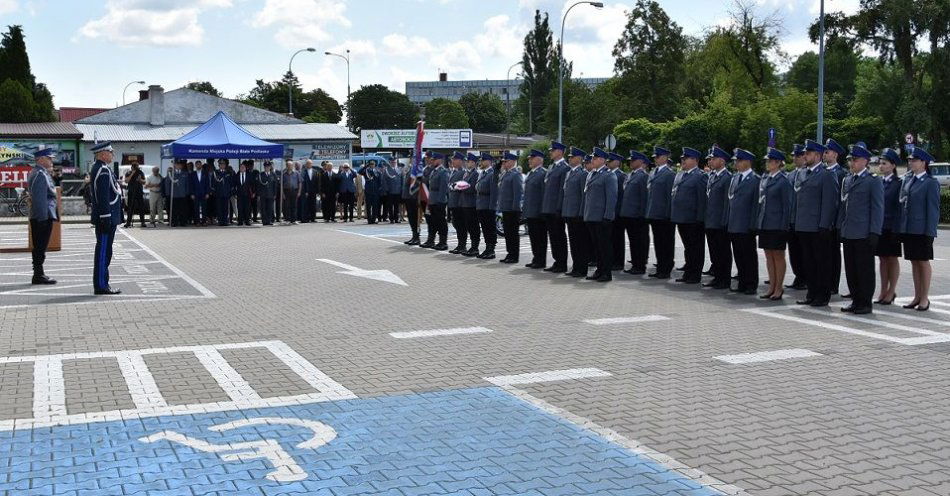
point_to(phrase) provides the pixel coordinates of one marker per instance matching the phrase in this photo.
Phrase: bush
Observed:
(944, 206)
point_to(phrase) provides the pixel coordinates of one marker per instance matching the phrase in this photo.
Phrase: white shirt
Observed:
(744, 174)
(920, 175)
(242, 178)
(814, 167)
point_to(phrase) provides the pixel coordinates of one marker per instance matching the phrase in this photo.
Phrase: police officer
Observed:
(616, 236)
(467, 204)
(393, 192)
(816, 205)
(743, 197)
(410, 198)
(373, 191)
(427, 212)
(267, 193)
(42, 211)
(659, 194)
(510, 193)
(688, 212)
(920, 213)
(551, 207)
(572, 210)
(860, 218)
(833, 151)
(221, 184)
(438, 200)
(486, 203)
(717, 203)
(456, 174)
(106, 215)
(795, 257)
(181, 191)
(600, 209)
(533, 201)
(773, 218)
(632, 211)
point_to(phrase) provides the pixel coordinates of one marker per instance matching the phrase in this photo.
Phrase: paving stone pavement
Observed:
(865, 414)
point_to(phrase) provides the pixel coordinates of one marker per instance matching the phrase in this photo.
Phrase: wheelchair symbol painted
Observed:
(286, 468)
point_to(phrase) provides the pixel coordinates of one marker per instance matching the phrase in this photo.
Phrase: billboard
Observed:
(406, 138)
(21, 152)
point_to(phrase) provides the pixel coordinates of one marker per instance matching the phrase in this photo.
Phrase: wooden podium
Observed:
(56, 237)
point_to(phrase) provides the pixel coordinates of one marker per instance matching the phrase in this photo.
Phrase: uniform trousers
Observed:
(458, 223)
(471, 224)
(859, 269)
(105, 235)
(538, 235)
(664, 244)
(412, 211)
(40, 231)
(617, 244)
(439, 225)
(601, 245)
(430, 226)
(795, 257)
(834, 257)
(558, 238)
(373, 208)
(694, 250)
(487, 220)
(638, 234)
(817, 264)
(267, 210)
(180, 211)
(509, 221)
(579, 243)
(720, 255)
(747, 260)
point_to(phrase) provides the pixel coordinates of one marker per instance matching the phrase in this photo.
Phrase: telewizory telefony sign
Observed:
(406, 138)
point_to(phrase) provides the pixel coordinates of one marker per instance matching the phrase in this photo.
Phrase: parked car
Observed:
(358, 160)
(941, 172)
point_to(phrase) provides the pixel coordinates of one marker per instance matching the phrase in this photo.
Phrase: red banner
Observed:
(13, 177)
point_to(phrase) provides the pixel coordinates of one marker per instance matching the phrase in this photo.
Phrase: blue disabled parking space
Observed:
(479, 441)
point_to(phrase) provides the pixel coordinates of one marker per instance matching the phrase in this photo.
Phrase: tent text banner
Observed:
(406, 138)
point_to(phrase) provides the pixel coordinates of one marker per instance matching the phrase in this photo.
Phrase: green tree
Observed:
(485, 111)
(314, 105)
(841, 69)
(442, 113)
(204, 87)
(539, 65)
(16, 102)
(378, 107)
(15, 67)
(318, 106)
(603, 101)
(637, 134)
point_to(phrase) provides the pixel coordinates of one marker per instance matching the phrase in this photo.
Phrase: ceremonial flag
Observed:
(418, 164)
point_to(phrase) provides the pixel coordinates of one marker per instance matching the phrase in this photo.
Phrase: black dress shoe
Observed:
(577, 274)
(749, 291)
(819, 303)
(636, 272)
(707, 273)
(605, 278)
(556, 269)
(455, 251)
(427, 244)
(657, 275)
(471, 252)
(108, 291)
(510, 261)
(411, 242)
(593, 277)
(804, 302)
(848, 309)
(862, 311)
(43, 280)
(441, 247)
(617, 267)
(487, 255)
(721, 285)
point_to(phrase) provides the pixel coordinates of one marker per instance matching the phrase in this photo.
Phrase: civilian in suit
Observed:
(438, 201)
(920, 213)
(688, 212)
(200, 188)
(600, 210)
(454, 205)
(291, 191)
(467, 204)
(795, 256)
(889, 244)
(347, 188)
(486, 204)
(816, 206)
(716, 218)
(616, 236)
(659, 191)
(860, 218)
(373, 191)
(773, 220)
(309, 183)
(267, 187)
(222, 186)
(633, 210)
(572, 210)
(531, 210)
(832, 154)
(232, 201)
(510, 194)
(551, 207)
(743, 198)
(43, 211)
(245, 187)
(393, 191)
(329, 186)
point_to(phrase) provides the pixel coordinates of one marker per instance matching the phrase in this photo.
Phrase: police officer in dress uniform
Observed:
(410, 197)
(43, 211)
(267, 187)
(438, 200)
(743, 197)
(533, 201)
(773, 218)
(510, 193)
(454, 204)
(659, 194)
(816, 206)
(393, 192)
(551, 207)
(222, 186)
(833, 151)
(572, 210)
(688, 212)
(616, 236)
(860, 218)
(430, 160)
(632, 211)
(600, 210)
(486, 204)
(106, 215)
(372, 191)
(467, 204)
(920, 213)
(794, 243)
(716, 219)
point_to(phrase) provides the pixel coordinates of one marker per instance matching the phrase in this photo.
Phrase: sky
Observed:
(86, 51)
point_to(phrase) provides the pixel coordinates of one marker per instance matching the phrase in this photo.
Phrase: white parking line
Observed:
(626, 320)
(929, 336)
(548, 376)
(439, 332)
(766, 356)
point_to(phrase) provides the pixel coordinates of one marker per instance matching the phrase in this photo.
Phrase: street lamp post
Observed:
(821, 73)
(127, 87)
(508, 102)
(347, 59)
(290, 88)
(560, 68)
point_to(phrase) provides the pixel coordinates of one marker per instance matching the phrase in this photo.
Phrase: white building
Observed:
(139, 129)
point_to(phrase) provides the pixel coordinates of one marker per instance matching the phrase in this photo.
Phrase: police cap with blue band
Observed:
(740, 154)
(775, 154)
(659, 151)
(635, 155)
(835, 147)
(577, 152)
(536, 153)
(814, 146)
(859, 151)
(921, 154)
(557, 146)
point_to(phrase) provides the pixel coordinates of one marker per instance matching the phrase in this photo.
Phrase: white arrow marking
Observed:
(378, 275)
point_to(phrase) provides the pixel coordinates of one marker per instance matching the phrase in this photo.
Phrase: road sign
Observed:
(772, 135)
(909, 138)
(610, 142)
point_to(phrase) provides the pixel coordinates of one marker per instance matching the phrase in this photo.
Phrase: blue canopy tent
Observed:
(220, 137)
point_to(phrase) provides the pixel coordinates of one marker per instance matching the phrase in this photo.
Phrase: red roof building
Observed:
(73, 114)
